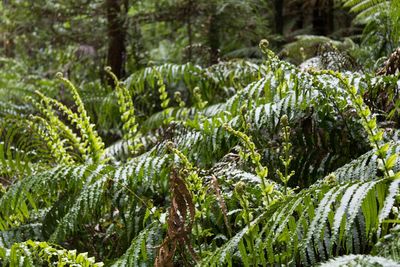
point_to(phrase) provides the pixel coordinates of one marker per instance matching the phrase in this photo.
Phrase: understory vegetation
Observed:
(240, 162)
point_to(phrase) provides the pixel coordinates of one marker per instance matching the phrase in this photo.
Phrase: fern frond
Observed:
(127, 110)
(366, 9)
(16, 153)
(224, 253)
(51, 138)
(54, 120)
(87, 204)
(20, 234)
(389, 245)
(389, 201)
(359, 260)
(93, 141)
(142, 248)
(17, 204)
(32, 254)
(318, 222)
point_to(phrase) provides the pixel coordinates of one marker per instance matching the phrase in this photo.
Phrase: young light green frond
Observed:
(90, 136)
(51, 138)
(88, 145)
(127, 110)
(31, 254)
(48, 112)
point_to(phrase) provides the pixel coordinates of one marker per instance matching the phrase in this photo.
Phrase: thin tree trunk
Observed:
(279, 16)
(8, 41)
(323, 17)
(213, 38)
(189, 29)
(116, 37)
(330, 26)
(137, 47)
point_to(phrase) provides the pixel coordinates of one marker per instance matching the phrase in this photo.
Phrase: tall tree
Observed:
(323, 17)
(116, 15)
(278, 6)
(213, 36)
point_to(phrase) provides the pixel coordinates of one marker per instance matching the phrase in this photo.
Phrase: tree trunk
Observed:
(116, 37)
(330, 26)
(189, 30)
(278, 5)
(213, 38)
(323, 17)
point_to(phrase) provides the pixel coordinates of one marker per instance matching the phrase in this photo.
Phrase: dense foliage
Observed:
(240, 162)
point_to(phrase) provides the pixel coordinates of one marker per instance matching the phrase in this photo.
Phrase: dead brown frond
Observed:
(221, 202)
(180, 222)
(391, 65)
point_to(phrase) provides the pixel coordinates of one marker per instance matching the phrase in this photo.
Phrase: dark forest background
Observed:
(129, 35)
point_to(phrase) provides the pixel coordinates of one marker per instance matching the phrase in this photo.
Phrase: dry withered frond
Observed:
(221, 201)
(179, 228)
(391, 65)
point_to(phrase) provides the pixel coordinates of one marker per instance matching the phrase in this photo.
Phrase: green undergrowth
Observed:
(237, 164)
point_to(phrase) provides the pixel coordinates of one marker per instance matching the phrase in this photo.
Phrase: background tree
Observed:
(198, 144)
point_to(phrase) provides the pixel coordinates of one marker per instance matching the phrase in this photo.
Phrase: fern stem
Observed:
(247, 220)
(198, 241)
(369, 123)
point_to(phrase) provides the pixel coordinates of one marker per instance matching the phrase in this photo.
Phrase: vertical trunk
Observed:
(189, 29)
(278, 4)
(116, 37)
(323, 17)
(213, 38)
(137, 47)
(301, 20)
(308, 8)
(330, 27)
(8, 41)
(317, 19)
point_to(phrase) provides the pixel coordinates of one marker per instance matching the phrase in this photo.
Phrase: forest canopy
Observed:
(199, 133)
